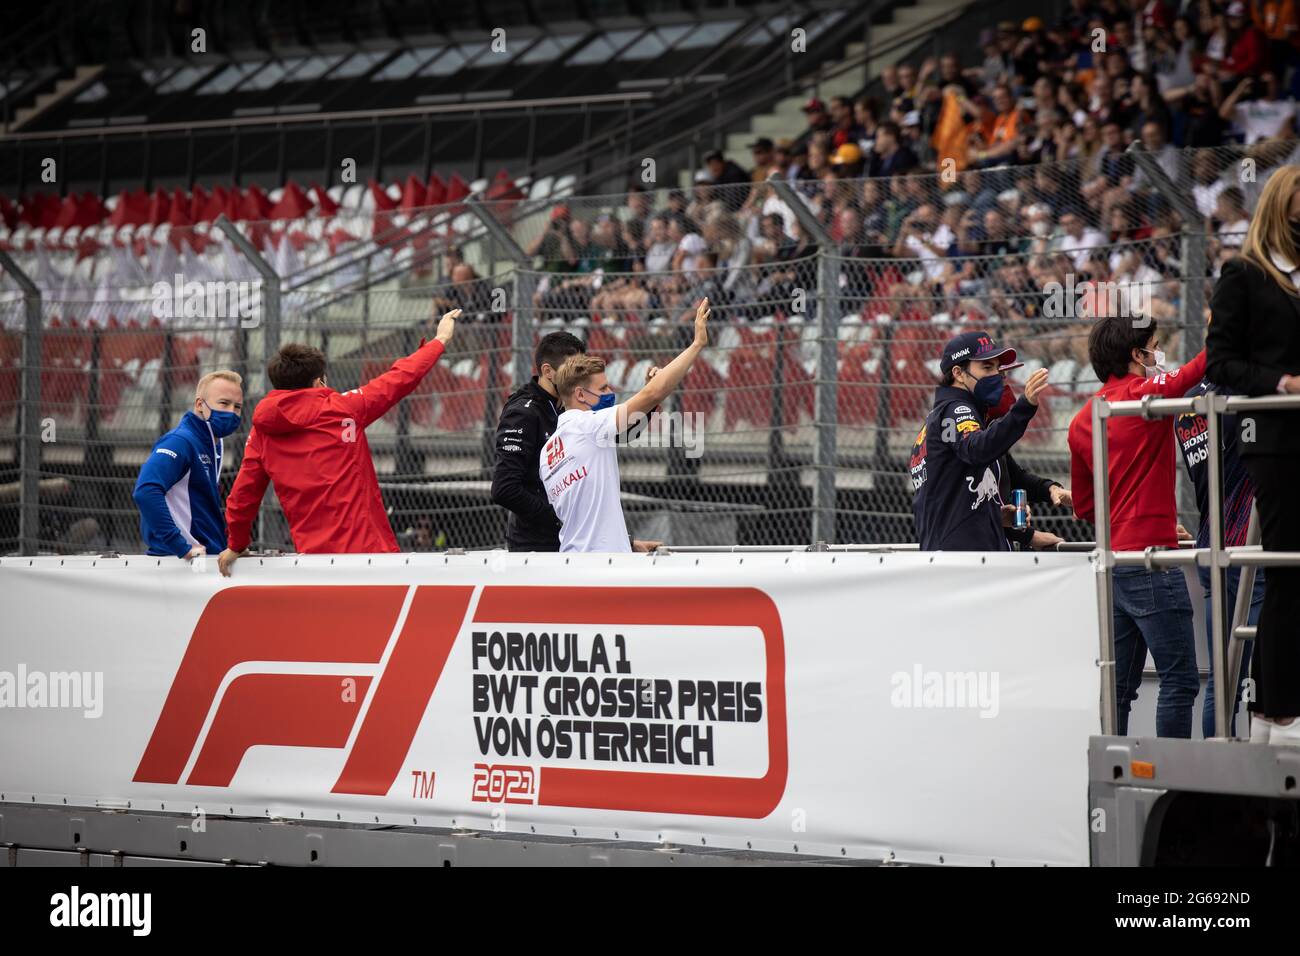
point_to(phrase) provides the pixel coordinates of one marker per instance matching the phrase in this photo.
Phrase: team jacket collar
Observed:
(542, 395)
(951, 393)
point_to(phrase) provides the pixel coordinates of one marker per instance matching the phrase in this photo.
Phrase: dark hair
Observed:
(1112, 341)
(554, 348)
(949, 379)
(892, 128)
(296, 366)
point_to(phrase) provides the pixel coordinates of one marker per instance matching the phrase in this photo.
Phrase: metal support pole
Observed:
(1105, 564)
(521, 327)
(268, 319)
(29, 428)
(825, 401)
(1212, 407)
(1241, 612)
(522, 323)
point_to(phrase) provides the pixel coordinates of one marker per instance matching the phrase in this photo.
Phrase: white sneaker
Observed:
(1260, 730)
(1285, 735)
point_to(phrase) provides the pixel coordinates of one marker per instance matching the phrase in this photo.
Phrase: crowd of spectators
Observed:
(963, 189)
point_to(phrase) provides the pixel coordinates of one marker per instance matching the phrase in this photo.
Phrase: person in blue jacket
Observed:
(178, 491)
(958, 505)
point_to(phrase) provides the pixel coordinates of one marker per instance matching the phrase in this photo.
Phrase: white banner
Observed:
(915, 706)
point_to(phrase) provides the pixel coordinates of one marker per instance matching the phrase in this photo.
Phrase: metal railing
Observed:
(1225, 635)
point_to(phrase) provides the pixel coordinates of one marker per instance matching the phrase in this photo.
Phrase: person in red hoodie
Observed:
(310, 442)
(1152, 609)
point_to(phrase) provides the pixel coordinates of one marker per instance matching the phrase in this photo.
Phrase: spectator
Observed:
(784, 160)
(1266, 117)
(723, 172)
(848, 161)
(1077, 238)
(1230, 217)
(1247, 47)
(818, 121)
(844, 130)
(890, 157)
(762, 151)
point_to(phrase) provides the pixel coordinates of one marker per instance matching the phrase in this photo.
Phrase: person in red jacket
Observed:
(1152, 608)
(310, 442)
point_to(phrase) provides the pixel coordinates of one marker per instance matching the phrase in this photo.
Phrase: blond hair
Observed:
(225, 374)
(1270, 227)
(575, 371)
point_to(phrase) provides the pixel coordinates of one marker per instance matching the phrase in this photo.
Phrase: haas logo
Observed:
(554, 451)
(986, 490)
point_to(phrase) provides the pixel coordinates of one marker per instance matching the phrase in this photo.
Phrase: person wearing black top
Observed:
(527, 422)
(1253, 347)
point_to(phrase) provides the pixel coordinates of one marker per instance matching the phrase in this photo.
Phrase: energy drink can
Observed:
(1021, 502)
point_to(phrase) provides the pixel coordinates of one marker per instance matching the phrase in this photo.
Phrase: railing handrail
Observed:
(1225, 656)
(366, 116)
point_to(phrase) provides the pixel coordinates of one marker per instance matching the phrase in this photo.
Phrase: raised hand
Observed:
(701, 323)
(447, 326)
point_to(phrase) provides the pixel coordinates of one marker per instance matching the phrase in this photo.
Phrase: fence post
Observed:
(1192, 302)
(29, 428)
(825, 407)
(270, 325)
(521, 329)
(1105, 563)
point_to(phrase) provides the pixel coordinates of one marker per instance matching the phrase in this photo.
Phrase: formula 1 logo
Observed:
(265, 665)
(338, 632)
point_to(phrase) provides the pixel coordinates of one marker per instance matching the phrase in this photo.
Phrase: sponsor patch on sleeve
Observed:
(968, 425)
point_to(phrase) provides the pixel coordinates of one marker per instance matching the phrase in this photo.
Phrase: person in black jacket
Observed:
(1253, 347)
(527, 421)
(1039, 490)
(958, 504)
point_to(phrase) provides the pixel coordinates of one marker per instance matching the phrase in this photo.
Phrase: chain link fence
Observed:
(832, 298)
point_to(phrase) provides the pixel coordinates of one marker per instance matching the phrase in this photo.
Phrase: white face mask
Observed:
(1159, 367)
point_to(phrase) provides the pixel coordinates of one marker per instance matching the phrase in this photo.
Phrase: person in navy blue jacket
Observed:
(178, 490)
(958, 505)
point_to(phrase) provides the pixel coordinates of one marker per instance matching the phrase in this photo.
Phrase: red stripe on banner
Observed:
(329, 623)
(710, 795)
(287, 710)
(403, 694)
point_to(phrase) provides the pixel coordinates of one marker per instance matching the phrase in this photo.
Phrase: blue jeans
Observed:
(1256, 602)
(1153, 611)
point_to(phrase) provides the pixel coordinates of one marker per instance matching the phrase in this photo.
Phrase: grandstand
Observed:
(138, 195)
(850, 185)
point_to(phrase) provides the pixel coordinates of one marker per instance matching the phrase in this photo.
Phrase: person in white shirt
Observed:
(579, 464)
(1268, 116)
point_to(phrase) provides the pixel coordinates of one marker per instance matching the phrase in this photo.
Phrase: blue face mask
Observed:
(988, 390)
(222, 423)
(605, 401)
